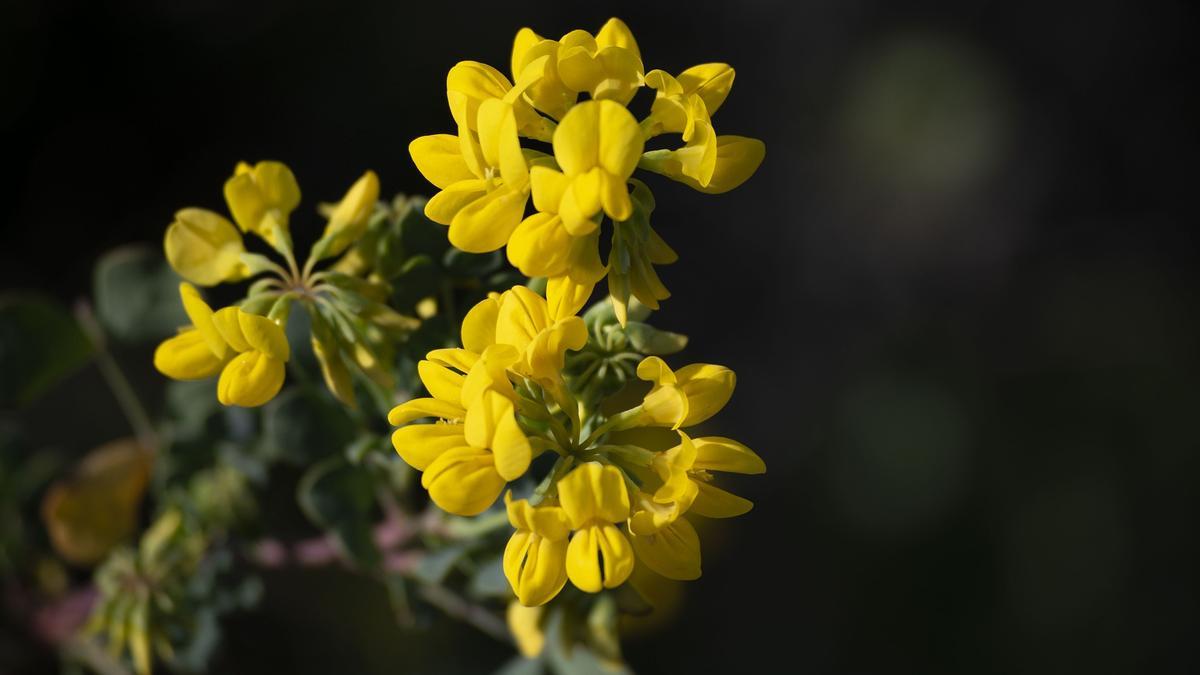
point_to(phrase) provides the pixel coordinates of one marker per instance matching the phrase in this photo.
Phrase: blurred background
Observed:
(959, 296)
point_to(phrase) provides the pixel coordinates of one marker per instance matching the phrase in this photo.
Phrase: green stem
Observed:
(135, 413)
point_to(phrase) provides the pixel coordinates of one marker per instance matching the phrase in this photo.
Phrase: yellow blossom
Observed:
(261, 198)
(535, 559)
(349, 218)
(249, 351)
(595, 500)
(672, 551)
(607, 66)
(466, 461)
(205, 248)
(685, 106)
(597, 145)
(483, 178)
(685, 397)
(469, 84)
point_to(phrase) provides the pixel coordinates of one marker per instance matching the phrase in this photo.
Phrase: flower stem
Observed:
(135, 413)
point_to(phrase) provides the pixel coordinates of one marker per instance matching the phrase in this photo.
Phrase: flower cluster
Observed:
(503, 399)
(246, 343)
(487, 178)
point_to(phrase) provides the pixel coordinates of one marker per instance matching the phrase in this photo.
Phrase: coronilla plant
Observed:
(478, 422)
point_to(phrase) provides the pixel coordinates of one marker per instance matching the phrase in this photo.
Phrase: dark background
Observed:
(959, 297)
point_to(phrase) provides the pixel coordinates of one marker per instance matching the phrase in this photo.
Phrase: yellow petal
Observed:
(201, 316)
(420, 444)
(565, 297)
(446, 204)
(459, 359)
(614, 33)
(614, 197)
(470, 83)
(262, 198)
(522, 316)
(499, 142)
(621, 75)
(594, 492)
(715, 453)
(576, 62)
(440, 160)
(525, 40)
(264, 335)
(535, 567)
(186, 357)
(708, 388)
(424, 407)
(540, 246)
(250, 380)
(349, 218)
(737, 158)
(486, 224)
(577, 139)
(204, 248)
(491, 423)
(621, 141)
(581, 202)
(546, 354)
(479, 325)
(525, 625)
(230, 327)
(463, 481)
(713, 502)
(546, 521)
(548, 187)
(490, 372)
(598, 557)
(665, 406)
(710, 81)
(654, 369)
(673, 551)
(443, 383)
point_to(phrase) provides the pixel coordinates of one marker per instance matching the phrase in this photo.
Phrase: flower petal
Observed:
(463, 481)
(713, 502)
(710, 81)
(250, 380)
(479, 325)
(204, 248)
(186, 357)
(441, 382)
(439, 159)
(424, 407)
(673, 551)
(715, 453)
(486, 224)
(419, 444)
(446, 204)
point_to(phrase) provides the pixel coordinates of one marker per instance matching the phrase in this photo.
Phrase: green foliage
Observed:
(137, 295)
(40, 344)
(339, 498)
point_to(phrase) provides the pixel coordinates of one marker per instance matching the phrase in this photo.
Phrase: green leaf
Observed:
(40, 344)
(463, 264)
(339, 497)
(519, 665)
(650, 340)
(304, 424)
(436, 565)
(137, 295)
(489, 581)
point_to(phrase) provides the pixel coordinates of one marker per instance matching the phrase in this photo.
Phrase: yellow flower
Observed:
(522, 319)
(685, 106)
(597, 145)
(685, 475)
(595, 500)
(349, 218)
(465, 462)
(548, 94)
(261, 198)
(205, 248)
(685, 397)
(469, 84)
(535, 559)
(484, 179)
(607, 66)
(249, 351)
